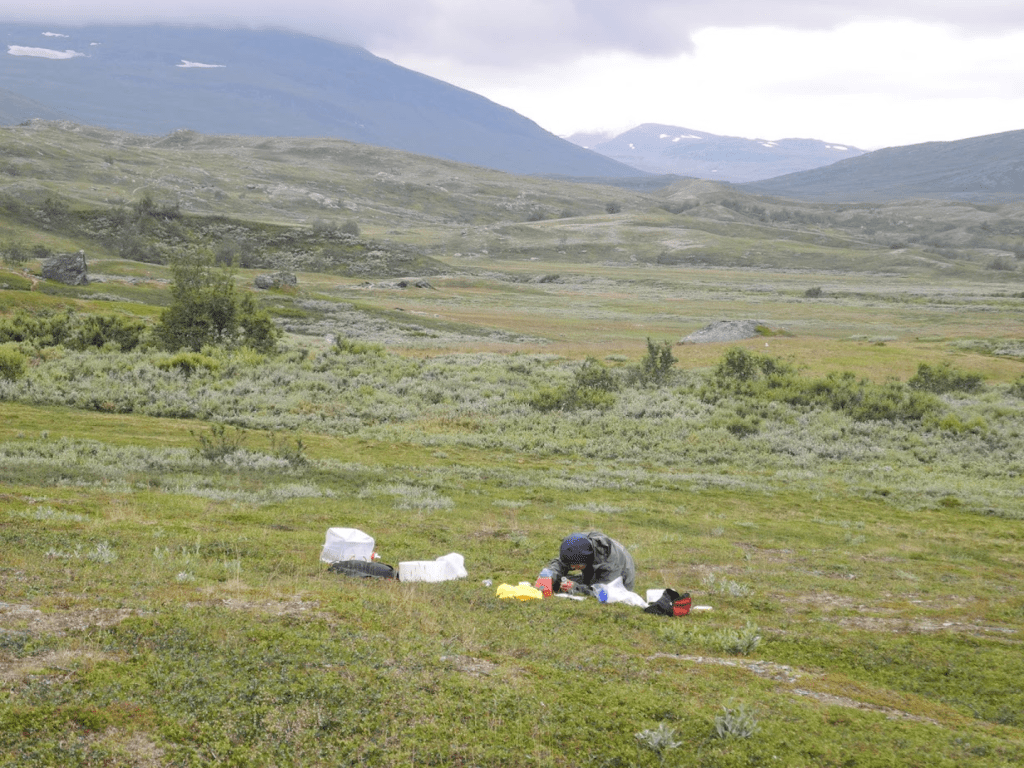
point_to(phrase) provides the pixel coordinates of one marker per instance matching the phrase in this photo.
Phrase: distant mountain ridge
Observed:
(670, 149)
(15, 109)
(979, 169)
(155, 79)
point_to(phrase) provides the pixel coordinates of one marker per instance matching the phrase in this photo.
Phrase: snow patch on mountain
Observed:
(186, 64)
(42, 53)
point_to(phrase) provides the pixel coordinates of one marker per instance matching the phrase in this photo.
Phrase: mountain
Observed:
(980, 169)
(15, 109)
(669, 149)
(155, 79)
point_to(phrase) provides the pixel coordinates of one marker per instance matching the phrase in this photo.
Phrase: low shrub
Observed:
(12, 363)
(736, 722)
(188, 363)
(75, 331)
(592, 388)
(99, 330)
(655, 367)
(42, 330)
(352, 347)
(761, 377)
(218, 442)
(943, 378)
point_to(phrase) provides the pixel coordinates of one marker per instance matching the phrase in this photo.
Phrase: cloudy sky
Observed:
(869, 73)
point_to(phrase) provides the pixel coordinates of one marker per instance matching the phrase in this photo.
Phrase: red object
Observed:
(681, 606)
(544, 585)
(566, 585)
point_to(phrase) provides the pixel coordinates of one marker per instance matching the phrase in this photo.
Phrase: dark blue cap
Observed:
(576, 549)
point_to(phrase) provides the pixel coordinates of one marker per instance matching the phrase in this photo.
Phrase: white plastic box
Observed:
(347, 544)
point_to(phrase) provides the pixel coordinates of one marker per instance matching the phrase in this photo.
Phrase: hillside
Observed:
(669, 149)
(981, 169)
(419, 209)
(16, 109)
(152, 80)
(842, 489)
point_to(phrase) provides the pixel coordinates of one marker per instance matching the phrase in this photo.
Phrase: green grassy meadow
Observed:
(856, 528)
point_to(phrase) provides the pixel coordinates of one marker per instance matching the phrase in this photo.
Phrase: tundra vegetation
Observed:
(845, 489)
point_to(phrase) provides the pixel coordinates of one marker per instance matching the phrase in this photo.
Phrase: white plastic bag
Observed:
(445, 568)
(347, 544)
(615, 592)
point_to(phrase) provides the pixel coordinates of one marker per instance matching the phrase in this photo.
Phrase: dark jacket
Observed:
(611, 560)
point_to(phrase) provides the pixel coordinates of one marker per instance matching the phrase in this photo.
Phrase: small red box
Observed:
(681, 606)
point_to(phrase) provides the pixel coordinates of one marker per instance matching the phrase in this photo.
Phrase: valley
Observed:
(477, 362)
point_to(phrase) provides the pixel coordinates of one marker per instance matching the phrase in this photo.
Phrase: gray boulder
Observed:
(276, 280)
(67, 268)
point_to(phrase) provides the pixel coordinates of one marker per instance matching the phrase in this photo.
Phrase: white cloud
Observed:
(867, 85)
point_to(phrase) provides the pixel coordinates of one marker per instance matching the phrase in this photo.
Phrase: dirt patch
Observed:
(56, 664)
(766, 669)
(844, 701)
(292, 607)
(25, 618)
(782, 673)
(471, 666)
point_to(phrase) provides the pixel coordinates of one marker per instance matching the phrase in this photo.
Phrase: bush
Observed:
(592, 388)
(98, 330)
(206, 310)
(188, 363)
(44, 330)
(15, 254)
(12, 363)
(75, 331)
(943, 378)
(736, 722)
(1017, 388)
(594, 375)
(738, 367)
(218, 442)
(352, 347)
(656, 366)
(764, 378)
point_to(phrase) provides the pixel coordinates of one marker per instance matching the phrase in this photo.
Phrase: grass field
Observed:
(859, 538)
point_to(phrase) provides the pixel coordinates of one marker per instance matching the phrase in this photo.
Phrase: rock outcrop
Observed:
(67, 268)
(725, 330)
(276, 280)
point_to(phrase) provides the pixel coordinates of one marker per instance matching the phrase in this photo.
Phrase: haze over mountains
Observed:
(155, 79)
(669, 149)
